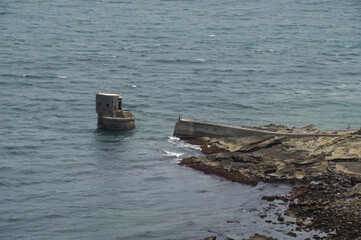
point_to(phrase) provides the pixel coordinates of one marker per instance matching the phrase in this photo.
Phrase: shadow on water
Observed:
(103, 135)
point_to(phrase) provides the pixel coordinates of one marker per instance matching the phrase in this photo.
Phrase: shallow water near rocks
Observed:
(229, 62)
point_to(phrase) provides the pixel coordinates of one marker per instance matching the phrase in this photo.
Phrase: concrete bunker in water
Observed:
(111, 116)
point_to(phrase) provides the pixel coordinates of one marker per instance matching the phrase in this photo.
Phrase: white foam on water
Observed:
(315, 182)
(62, 77)
(172, 154)
(173, 138)
(181, 143)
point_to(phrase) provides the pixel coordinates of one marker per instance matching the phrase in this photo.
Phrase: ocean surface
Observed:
(249, 62)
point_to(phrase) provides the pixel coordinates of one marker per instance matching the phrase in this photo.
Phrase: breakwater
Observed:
(186, 128)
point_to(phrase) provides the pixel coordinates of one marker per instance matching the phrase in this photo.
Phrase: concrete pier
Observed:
(186, 128)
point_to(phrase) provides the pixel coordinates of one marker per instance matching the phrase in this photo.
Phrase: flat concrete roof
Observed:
(109, 94)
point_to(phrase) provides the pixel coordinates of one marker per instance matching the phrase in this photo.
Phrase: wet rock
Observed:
(272, 198)
(260, 237)
(292, 234)
(328, 207)
(233, 221)
(209, 238)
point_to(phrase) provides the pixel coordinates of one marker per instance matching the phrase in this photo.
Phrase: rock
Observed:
(272, 198)
(355, 191)
(292, 234)
(260, 237)
(328, 169)
(209, 238)
(229, 238)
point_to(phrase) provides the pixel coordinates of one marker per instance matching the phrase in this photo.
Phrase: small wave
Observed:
(171, 154)
(31, 76)
(178, 142)
(62, 77)
(222, 70)
(174, 139)
(125, 67)
(157, 178)
(5, 169)
(351, 73)
(10, 75)
(183, 61)
(349, 54)
(243, 106)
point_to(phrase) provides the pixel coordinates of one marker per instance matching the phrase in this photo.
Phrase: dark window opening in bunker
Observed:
(107, 105)
(99, 104)
(120, 105)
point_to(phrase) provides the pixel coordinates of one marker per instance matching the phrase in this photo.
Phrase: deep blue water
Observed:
(250, 62)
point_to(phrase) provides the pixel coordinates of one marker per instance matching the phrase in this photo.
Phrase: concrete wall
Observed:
(118, 123)
(189, 129)
(107, 104)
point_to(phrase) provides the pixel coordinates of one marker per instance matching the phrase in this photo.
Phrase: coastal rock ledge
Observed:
(326, 170)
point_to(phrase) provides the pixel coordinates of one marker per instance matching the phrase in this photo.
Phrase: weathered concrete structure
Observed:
(110, 113)
(185, 128)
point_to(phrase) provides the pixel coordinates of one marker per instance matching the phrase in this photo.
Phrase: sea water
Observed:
(249, 62)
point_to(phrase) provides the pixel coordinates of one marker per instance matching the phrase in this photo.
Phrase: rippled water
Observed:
(247, 62)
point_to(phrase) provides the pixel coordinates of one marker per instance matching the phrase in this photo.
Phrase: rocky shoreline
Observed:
(325, 171)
